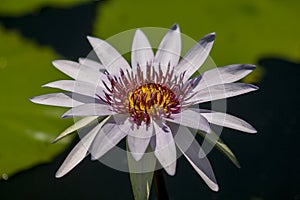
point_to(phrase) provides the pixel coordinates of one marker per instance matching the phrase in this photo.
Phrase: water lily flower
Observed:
(148, 101)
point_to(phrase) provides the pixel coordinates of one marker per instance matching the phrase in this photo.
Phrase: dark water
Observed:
(270, 160)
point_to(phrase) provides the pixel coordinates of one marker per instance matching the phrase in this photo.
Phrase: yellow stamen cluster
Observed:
(151, 100)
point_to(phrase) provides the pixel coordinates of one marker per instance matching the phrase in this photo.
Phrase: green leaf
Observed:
(141, 182)
(214, 139)
(18, 7)
(27, 129)
(246, 30)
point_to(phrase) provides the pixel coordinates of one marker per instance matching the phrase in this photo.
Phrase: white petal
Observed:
(57, 99)
(191, 149)
(221, 91)
(111, 59)
(141, 53)
(138, 140)
(191, 119)
(226, 120)
(77, 125)
(79, 152)
(80, 72)
(91, 109)
(110, 135)
(169, 49)
(145, 165)
(78, 87)
(196, 56)
(91, 63)
(226, 74)
(165, 150)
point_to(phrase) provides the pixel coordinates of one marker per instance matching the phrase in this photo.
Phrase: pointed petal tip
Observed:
(174, 27)
(93, 158)
(59, 63)
(90, 37)
(138, 31)
(209, 37)
(64, 116)
(137, 156)
(81, 60)
(249, 66)
(171, 169)
(93, 40)
(54, 141)
(248, 129)
(170, 172)
(214, 187)
(32, 99)
(46, 85)
(254, 87)
(139, 34)
(67, 114)
(56, 63)
(35, 99)
(208, 131)
(253, 131)
(57, 139)
(58, 174)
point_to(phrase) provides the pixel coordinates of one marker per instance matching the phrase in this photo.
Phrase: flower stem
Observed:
(160, 185)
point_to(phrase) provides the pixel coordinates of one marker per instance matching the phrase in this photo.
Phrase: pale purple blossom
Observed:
(146, 101)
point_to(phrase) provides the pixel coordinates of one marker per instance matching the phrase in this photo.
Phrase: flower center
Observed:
(152, 100)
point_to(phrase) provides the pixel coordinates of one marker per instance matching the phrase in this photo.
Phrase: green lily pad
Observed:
(17, 7)
(27, 129)
(246, 30)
